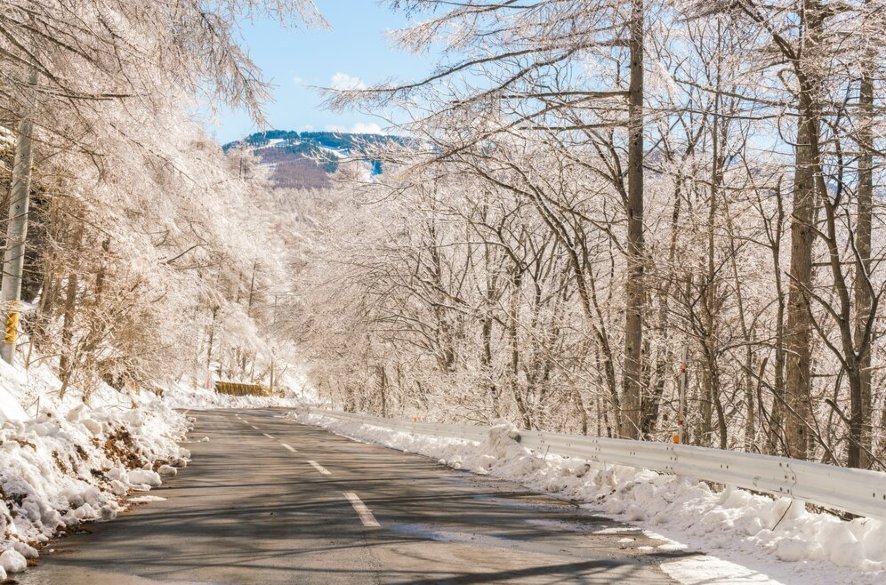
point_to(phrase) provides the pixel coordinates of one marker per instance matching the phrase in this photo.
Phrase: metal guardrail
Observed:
(856, 491)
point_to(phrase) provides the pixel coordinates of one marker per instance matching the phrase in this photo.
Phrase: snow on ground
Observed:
(63, 462)
(183, 395)
(747, 538)
(188, 397)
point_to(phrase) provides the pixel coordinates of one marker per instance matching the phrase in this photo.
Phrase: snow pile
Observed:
(63, 462)
(688, 511)
(10, 409)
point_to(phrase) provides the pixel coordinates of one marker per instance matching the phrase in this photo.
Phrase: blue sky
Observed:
(355, 50)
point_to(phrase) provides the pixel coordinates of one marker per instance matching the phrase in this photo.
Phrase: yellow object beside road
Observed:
(241, 389)
(11, 332)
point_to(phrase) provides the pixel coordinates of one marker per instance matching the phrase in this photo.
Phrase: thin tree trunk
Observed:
(862, 291)
(383, 390)
(68, 322)
(486, 330)
(486, 362)
(515, 351)
(211, 340)
(65, 362)
(775, 435)
(102, 271)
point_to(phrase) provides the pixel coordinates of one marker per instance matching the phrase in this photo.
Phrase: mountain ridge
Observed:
(305, 160)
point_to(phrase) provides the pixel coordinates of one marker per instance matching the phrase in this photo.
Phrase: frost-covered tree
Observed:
(499, 273)
(138, 214)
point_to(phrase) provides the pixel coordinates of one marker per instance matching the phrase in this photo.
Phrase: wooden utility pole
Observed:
(17, 228)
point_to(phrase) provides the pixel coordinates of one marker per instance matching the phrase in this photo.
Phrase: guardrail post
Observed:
(728, 490)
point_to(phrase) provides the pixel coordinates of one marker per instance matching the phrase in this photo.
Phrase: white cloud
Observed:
(297, 80)
(335, 129)
(366, 128)
(343, 81)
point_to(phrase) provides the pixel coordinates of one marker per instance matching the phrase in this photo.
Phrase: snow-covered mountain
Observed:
(304, 160)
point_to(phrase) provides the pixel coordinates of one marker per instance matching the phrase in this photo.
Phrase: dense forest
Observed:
(631, 219)
(645, 220)
(639, 219)
(142, 253)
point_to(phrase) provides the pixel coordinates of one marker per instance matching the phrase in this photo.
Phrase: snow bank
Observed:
(754, 530)
(10, 408)
(63, 462)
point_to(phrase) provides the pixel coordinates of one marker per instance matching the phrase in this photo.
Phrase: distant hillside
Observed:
(304, 160)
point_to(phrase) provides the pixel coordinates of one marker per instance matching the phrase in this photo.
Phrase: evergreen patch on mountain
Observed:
(305, 160)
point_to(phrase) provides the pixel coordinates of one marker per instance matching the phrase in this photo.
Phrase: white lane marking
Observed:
(267, 435)
(254, 427)
(289, 447)
(319, 467)
(363, 512)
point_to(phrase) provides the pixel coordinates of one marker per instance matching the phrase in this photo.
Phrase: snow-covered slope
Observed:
(304, 160)
(63, 462)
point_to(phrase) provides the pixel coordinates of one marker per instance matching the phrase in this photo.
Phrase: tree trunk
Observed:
(102, 270)
(798, 333)
(862, 291)
(68, 323)
(383, 390)
(513, 311)
(799, 327)
(486, 362)
(65, 361)
(486, 330)
(635, 290)
(211, 340)
(776, 432)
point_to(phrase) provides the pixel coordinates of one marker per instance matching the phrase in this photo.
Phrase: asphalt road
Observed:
(270, 501)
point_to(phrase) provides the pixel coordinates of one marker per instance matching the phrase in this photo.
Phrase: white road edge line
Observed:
(363, 512)
(319, 467)
(289, 447)
(267, 435)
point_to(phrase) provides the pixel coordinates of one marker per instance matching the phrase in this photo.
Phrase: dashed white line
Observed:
(319, 467)
(267, 435)
(254, 427)
(363, 512)
(289, 447)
